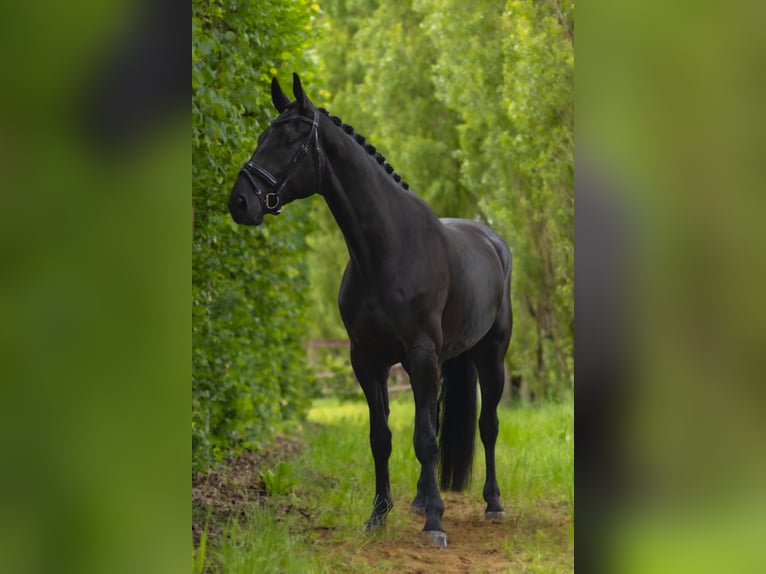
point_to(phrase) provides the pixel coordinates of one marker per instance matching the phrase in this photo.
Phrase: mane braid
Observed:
(369, 148)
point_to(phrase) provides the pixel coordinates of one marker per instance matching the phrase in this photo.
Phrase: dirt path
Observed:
(475, 545)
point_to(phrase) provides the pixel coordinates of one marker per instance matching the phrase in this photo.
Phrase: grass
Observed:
(535, 453)
(311, 520)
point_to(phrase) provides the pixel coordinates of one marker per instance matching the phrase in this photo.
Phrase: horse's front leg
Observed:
(373, 383)
(424, 376)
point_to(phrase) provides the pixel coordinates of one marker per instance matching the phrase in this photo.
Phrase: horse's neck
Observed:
(369, 213)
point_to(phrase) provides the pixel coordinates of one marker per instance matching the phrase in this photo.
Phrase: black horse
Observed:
(433, 294)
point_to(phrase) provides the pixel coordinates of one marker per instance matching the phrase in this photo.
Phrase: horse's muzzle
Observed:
(244, 206)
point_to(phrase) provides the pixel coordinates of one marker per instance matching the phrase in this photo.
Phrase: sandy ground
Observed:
(475, 544)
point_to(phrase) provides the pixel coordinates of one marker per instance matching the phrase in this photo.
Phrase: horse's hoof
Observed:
(495, 516)
(434, 538)
(375, 525)
(418, 509)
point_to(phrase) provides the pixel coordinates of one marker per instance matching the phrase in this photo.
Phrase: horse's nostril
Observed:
(241, 203)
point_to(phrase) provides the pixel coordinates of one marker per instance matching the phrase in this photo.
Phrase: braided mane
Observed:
(369, 148)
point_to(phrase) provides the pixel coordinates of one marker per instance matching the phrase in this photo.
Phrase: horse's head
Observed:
(279, 171)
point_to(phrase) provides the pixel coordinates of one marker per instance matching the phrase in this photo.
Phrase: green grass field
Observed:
(317, 501)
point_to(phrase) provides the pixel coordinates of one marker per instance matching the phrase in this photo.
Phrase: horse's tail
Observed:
(458, 423)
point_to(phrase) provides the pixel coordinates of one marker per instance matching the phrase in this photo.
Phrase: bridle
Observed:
(271, 201)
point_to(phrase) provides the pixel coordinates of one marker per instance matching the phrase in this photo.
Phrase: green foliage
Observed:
(473, 105)
(278, 480)
(335, 377)
(263, 542)
(327, 260)
(515, 101)
(198, 556)
(249, 302)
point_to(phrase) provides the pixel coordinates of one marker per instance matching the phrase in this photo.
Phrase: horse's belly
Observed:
(462, 334)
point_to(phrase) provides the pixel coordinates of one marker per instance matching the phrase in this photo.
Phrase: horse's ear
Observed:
(300, 95)
(278, 97)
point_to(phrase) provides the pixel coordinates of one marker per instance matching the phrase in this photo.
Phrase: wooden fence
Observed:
(398, 380)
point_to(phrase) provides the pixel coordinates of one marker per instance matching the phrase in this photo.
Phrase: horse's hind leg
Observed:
(491, 381)
(373, 382)
(489, 357)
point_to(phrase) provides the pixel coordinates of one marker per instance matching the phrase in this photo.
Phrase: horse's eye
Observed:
(287, 138)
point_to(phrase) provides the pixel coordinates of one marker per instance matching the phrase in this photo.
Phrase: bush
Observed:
(249, 286)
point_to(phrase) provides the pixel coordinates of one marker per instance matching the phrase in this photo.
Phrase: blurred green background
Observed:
(94, 310)
(669, 100)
